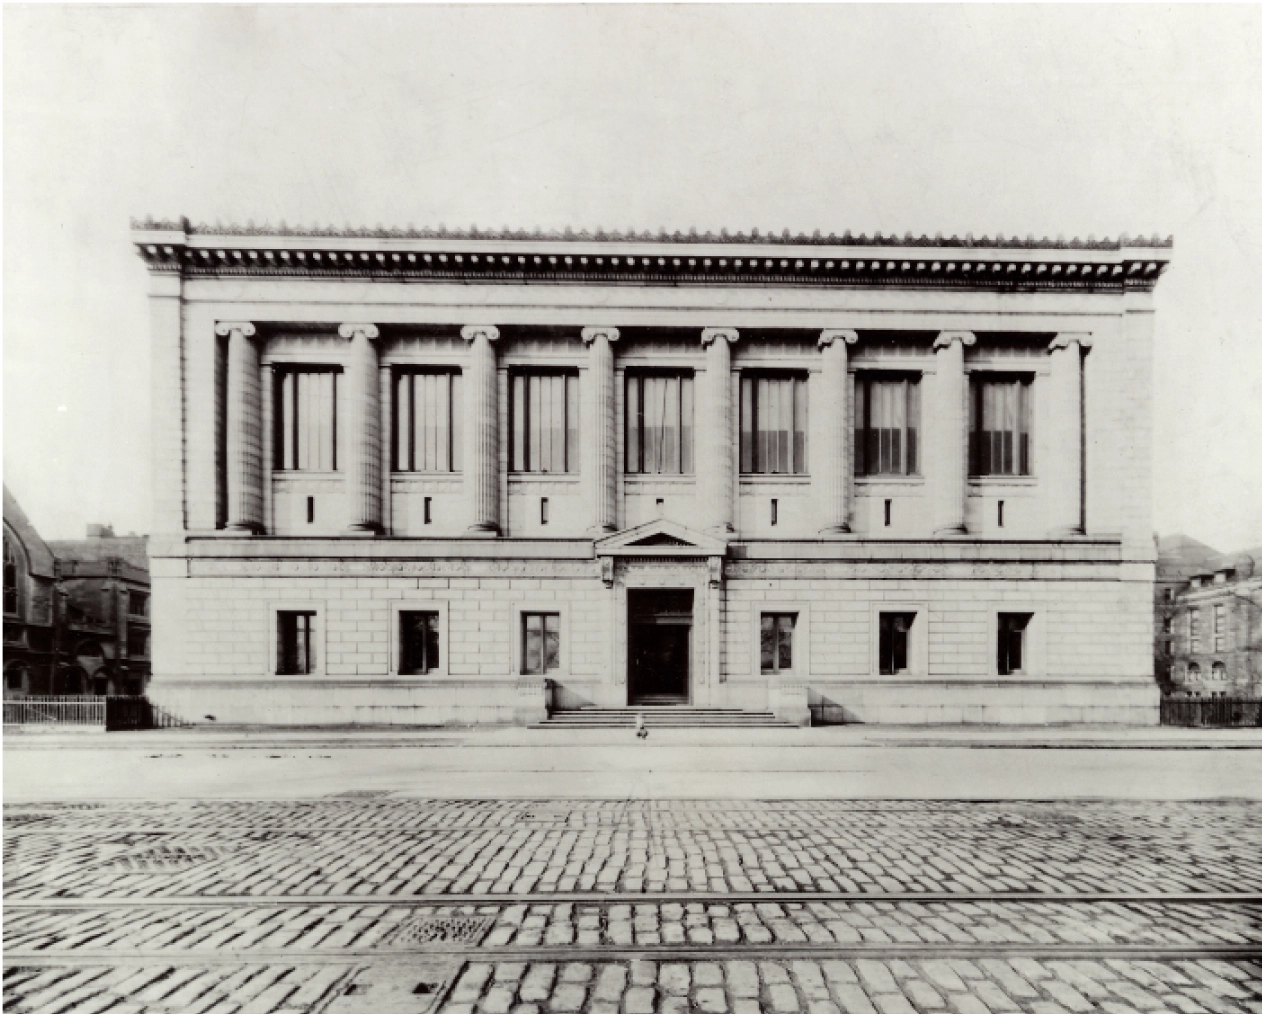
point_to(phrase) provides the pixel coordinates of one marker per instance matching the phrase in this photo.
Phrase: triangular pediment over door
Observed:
(660, 538)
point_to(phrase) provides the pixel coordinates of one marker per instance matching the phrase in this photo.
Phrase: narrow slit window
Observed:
(543, 510)
(889, 512)
(775, 512)
(429, 510)
(310, 510)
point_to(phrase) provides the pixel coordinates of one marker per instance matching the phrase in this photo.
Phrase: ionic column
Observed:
(1064, 466)
(600, 439)
(482, 458)
(834, 463)
(950, 463)
(715, 477)
(363, 429)
(245, 464)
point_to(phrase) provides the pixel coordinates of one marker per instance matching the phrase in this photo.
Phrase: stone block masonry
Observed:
(424, 478)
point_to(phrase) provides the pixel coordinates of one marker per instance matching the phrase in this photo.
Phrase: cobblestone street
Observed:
(367, 903)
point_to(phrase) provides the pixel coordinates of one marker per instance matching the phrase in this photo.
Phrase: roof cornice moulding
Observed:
(508, 258)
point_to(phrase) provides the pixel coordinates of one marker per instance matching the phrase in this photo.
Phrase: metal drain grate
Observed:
(164, 859)
(361, 794)
(427, 930)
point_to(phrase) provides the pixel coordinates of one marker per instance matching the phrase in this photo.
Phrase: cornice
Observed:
(617, 259)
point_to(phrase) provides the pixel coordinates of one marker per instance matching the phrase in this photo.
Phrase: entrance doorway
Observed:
(659, 645)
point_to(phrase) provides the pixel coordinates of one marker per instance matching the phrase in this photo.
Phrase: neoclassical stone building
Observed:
(416, 476)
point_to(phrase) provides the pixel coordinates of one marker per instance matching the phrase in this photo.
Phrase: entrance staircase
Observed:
(662, 717)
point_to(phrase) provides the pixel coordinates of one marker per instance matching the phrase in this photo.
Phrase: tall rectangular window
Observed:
(1220, 628)
(659, 423)
(1012, 647)
(138, 603)
(894, 642)
(776, 641)
(773, 424)
(427, 416)
(999, 428)
(886, 425)
(418, 643)
(541, 643)
(1194, 630)
(306, 419)
(544, 408)
(295, 643)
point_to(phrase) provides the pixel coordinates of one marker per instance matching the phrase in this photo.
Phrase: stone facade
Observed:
(900, 585)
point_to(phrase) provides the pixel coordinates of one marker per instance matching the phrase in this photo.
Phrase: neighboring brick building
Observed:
(1216, 630)
(429, 477)
(1179, 557)
(75, 611)
(105, 582)
(30, 605)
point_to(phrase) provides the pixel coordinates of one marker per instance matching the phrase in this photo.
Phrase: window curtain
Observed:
(659, 424)
(545, 422)
(887, 422)
(1000, 430)
(773, 425)
(307, 419)
(427, 414)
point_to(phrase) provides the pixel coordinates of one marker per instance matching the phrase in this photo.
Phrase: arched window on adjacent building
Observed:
(1218, 671)
(10, 577)
(1194, 672)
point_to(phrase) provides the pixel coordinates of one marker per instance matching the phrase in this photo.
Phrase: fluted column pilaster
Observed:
(483, 430)
(386, 400)
(244, 466)
(835, 462)
(600, 440)
(1064, 465)
(716, 477)
(363, 429)
(950, 463)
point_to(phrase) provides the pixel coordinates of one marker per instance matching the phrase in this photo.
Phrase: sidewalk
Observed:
(846, 762)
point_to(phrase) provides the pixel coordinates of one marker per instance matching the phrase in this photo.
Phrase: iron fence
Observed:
(114, 713)
(1222, 712)
(79, 709)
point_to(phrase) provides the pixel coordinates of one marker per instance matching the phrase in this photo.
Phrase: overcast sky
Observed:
(1071, 120)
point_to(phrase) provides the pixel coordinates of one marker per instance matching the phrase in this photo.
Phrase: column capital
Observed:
(945, 338)
(223, 328)
(352, 330)
(590, 334)
(826, 338)
(470, 332)
(1067, 338)
(711, 334)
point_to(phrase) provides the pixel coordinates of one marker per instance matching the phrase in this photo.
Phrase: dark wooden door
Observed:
(658, 657)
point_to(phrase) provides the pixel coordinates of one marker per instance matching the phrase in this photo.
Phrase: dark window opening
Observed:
(543, 510)
(999, 428)
(659, 424)
(894, 647)
(776, 641)
(418, 643)
(1000, 513)
(310, 510)
(429, 517)
(775, 512)
(1012, 646)
(541, 643)
(10, 577)
(889, 512)
(427, 420)
(886, 425)
(544, 414)
(295, 649)
(773, 425)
